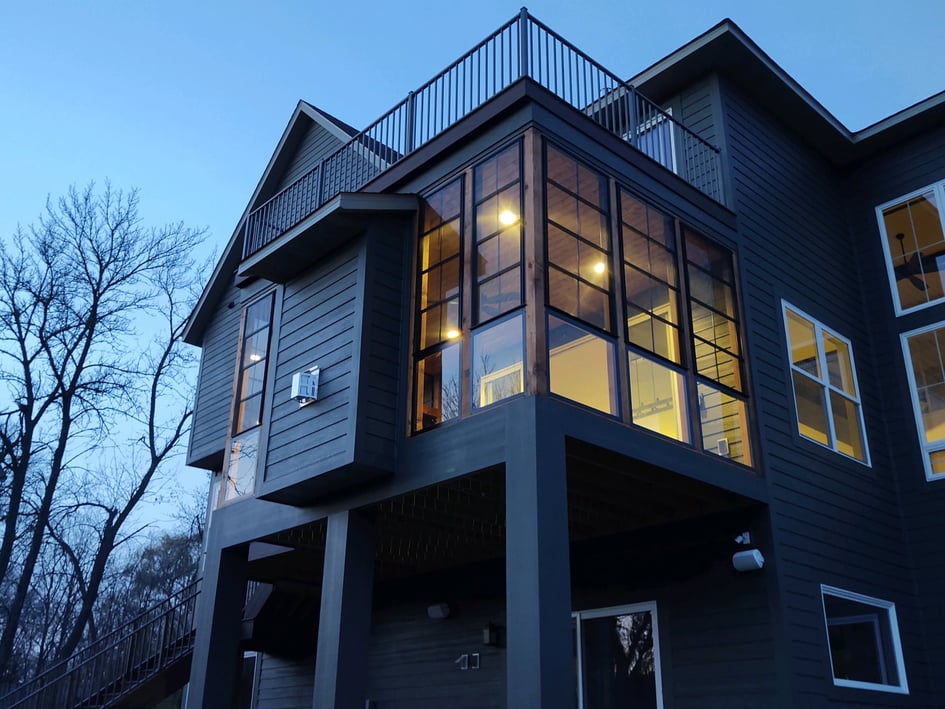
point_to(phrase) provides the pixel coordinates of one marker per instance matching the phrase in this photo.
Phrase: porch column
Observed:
(344, 624)
(217, 661)
(539, 661)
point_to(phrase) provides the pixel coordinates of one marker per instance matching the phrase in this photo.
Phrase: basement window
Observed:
(863, 640)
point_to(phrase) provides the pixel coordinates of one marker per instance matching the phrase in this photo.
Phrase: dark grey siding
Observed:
(834, 520)
(893, 173)
(316, 144)
(381, 410)
(319, 326)
(216, 380)
(285, 683)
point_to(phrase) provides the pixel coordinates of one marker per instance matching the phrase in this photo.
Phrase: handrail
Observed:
(522, 47)
(116, 662)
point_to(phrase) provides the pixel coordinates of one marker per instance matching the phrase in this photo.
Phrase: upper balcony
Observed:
(522, 48)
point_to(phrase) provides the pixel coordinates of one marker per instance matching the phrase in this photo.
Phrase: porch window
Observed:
(913, 230)
(240, 475)
(826, 395)
(863, 640)
(924, 352)
(617, 658)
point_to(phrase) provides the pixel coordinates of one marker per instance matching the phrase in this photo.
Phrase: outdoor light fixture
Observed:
(305, 386)
(750, 560)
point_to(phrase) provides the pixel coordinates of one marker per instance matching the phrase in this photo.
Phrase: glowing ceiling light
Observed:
(599, 267)
(507, 217)
(452, 334)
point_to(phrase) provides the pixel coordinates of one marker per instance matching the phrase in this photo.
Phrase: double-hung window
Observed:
(826, 395)
(925, 366)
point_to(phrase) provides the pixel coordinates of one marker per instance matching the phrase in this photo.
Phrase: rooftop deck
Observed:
(522, 48)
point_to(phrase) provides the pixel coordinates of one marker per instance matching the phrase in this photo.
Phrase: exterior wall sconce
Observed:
(305, 386)
(749, 560)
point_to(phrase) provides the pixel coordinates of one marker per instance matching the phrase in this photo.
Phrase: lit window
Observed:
(497, 361)
(617, 658)
(914, 244)
(925, 364)
(240, 475)
(581, 366)
(863, 640)
(825, 389)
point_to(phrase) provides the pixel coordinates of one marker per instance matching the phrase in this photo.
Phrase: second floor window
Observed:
(913, 229)
(826, 395)
(239, 478)
(925, 365)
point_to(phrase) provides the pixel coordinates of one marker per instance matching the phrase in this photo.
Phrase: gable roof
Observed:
(727, 50)
(303, 117)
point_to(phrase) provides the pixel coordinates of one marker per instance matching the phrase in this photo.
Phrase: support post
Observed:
(539, 661)
(523, 43)
(344, 625)
(217, 660)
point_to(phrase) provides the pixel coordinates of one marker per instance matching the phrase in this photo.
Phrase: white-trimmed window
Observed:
(863, 640)
(924, 352)
(618, 658)
(913, 229)
(826, 395)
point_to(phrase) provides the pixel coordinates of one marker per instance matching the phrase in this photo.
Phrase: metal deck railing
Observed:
(117, 664)
(521, 48)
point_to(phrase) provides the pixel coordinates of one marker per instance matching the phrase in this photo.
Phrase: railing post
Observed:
(523, 68)
(633, 116)
(411, 123)
(318, 183)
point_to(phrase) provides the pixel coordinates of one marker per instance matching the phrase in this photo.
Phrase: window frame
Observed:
(627, 609)
(938, 190)
(825, 383)
(895, 640)
(926, 447)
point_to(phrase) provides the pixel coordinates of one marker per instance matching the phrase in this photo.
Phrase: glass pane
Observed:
(654, 334)
(811, 408)
(443, 205)
(715, 328)
(438, 388)
(917, 248)
(711, 291)
(581, 366)
(579, 299)
(258, 315)
(618, 662)
(256, 347)
(932, 406)
(249, 413)
(562, 249)
(241, 466)
(803, 344)
(861, 641)
(574, 176)
(658, 398)
(500, 251)
(252, 380)
(498, 353)
(650, 294)
(649, 256)
(847, 426)
(724, 423)
(500, 295)
(937, 458)
(497, 172)
(439, 323)
(711, 258)
(718, 365)
(839, 364)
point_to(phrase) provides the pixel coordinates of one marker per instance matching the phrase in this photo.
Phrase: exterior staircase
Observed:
(136, 665)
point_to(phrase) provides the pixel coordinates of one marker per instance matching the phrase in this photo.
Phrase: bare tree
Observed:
(93, 396)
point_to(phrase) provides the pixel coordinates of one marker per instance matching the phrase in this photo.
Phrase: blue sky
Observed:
(186, 100)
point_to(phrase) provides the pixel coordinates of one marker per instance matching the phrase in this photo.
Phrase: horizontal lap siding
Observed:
(834, 520)
(219, 348)
(317, 143)
(285, 683)
(381, 416)
(318, 327)
(891, 174)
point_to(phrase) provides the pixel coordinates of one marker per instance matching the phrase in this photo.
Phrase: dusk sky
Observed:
(186, 100)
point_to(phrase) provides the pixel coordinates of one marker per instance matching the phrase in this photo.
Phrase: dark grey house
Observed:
(555, 389)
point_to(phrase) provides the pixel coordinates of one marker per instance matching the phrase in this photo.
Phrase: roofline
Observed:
(729, 51)
(232, 253)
